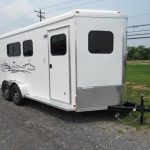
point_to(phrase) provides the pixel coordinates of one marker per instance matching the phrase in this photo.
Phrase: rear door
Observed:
(59, 64)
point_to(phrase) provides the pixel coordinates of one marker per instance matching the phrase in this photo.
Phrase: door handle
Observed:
(50, 65)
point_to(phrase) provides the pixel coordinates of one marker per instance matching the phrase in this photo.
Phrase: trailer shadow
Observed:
(71, 117)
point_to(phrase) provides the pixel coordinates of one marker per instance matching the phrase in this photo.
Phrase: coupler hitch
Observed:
(132, 107)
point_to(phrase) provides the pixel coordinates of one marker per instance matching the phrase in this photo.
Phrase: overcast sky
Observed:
(15, 14)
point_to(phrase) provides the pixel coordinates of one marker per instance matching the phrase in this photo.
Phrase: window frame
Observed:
(101, 51)
(13, 49)
(51, 50)
(24, 48)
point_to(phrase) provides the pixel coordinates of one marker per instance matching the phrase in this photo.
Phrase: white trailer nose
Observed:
(100, 62)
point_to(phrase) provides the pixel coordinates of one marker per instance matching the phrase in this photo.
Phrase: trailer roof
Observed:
(78, 12)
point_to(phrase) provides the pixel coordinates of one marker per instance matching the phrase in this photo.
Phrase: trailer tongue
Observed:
(132, 107)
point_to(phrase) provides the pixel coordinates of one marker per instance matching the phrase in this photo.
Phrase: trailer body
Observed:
(75, 61)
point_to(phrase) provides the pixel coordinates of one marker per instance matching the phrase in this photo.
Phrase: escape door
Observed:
(59, 64)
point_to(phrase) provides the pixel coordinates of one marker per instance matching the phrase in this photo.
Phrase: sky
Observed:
(15, 14)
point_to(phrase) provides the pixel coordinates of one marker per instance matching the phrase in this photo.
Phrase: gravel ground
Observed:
(35, 126)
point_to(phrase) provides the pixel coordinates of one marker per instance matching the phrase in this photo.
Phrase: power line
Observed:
(67, 2)
(29, 12)
(10, 27)
(139, 34)
(138, 31)
(60, 4)
(40, 14)
(17, 20)
(19, 25)
(24, 15)
(87, 3)
(139, 38)
(136, 26)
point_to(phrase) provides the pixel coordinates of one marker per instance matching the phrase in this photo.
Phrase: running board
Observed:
(53, 103)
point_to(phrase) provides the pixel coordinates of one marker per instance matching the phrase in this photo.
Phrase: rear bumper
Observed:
(98, 98)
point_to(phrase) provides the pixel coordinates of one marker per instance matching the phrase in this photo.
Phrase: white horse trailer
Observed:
(74, 62)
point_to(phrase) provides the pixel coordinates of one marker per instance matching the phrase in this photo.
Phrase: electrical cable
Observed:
(127, 123)
(136, 26)
(139, 38)
(60, 9)
(138, 31)
(87, 3)
(21, 24)
(59, 4)
(29, 12)
(138, 34)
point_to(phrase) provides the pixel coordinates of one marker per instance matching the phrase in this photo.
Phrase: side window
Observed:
(14, 49)
(58, 45)
(28, 48)
(100, 42)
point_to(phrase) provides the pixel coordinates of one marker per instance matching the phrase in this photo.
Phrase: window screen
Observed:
(58, 45)
(14, 49)
(28, 48)
(100, 42)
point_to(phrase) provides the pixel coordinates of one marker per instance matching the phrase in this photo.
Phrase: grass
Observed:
(138, 81)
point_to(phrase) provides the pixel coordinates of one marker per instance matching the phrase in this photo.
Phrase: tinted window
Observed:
(58, 45)
(28, 48)
(100, 42)
(14, 49)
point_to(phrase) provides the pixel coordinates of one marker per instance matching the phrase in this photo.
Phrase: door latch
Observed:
(50, 65)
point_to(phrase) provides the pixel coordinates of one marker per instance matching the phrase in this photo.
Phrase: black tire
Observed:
(16, 95)
(6, 91)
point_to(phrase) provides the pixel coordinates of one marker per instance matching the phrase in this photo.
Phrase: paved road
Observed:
(35, 126)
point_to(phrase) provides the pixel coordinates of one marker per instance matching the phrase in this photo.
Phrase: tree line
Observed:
(138, 53)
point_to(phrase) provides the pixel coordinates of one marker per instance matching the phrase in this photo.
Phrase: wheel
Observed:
(16, 95)
(6, 91)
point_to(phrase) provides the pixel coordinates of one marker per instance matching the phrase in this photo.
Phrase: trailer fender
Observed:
(22, 86)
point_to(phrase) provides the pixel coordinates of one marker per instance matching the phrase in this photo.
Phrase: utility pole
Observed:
(40, 14)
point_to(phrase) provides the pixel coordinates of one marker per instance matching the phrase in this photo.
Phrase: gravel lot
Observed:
(35, 126)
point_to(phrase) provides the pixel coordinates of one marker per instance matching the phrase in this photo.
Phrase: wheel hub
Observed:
(15, 97)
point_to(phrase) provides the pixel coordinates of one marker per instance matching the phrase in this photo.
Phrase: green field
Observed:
(137, 81)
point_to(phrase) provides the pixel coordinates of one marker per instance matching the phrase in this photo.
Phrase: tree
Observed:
(138, 53)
